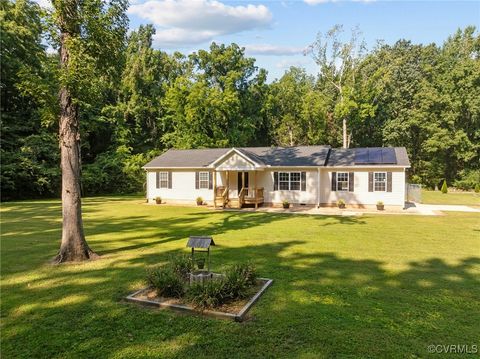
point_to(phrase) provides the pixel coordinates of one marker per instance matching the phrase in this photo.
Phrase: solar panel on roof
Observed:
(375, 155)
(361, 155)
(388, 156)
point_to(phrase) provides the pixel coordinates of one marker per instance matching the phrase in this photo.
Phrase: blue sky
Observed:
(276, 32)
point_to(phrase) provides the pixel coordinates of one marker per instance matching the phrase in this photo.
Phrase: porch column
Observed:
(214, 189)
(228, 180)
(255, 188)
(243, 179)
(318, 187)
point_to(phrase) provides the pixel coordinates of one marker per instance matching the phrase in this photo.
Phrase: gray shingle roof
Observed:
(288, 156)
(187, 158)
(301, 156)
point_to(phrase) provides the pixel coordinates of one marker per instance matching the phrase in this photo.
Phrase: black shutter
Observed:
(275, 181)
(169, 179)
(370, 181)
(196, 181)
(389, 181)
(351, 182)
(303, 185)
(334, 181)
(157, 179)
(210, 180)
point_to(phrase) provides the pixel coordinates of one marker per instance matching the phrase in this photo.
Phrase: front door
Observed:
(240, 183)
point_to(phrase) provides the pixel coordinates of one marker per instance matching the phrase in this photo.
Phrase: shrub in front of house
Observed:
(341, 203)
(286, 204)
(158, 200)
(477, 188)
(444, 187)
(199, 201)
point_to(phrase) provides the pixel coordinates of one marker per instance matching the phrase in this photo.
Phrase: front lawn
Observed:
(372, 286)
(437, 197)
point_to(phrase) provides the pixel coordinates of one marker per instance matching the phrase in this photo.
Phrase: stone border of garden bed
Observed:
(238, 317)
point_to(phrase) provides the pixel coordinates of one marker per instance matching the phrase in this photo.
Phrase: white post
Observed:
(318, 187)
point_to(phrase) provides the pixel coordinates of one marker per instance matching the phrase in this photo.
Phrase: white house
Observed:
(304, 175)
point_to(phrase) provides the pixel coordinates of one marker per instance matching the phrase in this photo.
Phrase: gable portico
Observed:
(239, 180)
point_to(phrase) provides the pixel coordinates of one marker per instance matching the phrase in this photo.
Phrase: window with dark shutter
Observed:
(389, 181)
(170, 179)
(275, 181)
(334, 181)
(163, 179)
(210, 180)
(370, 181)
(197, 180)
(351, 183)
(304, 181)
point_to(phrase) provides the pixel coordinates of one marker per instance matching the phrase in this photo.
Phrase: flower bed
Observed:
(177, 285)
(236, 310)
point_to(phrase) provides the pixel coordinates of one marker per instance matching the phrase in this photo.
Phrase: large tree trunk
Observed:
(344, 135)
(74, 246)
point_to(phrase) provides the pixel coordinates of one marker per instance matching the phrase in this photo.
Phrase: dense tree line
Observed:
(423, 97)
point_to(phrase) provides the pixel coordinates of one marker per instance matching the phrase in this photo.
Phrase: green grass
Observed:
(347, 287)
(437, 197)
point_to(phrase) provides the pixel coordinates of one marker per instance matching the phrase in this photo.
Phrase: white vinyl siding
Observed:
(360, 195)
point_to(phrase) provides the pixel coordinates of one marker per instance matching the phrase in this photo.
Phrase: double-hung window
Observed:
(342, 181)
(284, 180)
(203, 180)
(162, 180)
(294, 181)
(380, 181)
(289, 181)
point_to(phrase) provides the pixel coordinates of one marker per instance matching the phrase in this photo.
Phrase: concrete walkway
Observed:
(433, 209)
(412, 209)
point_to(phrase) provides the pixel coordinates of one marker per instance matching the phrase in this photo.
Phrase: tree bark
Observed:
(73, 247)
(344, 125)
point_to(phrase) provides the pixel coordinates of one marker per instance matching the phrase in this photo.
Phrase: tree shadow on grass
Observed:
(320, 305)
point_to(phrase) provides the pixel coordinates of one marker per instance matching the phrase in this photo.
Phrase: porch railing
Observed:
(241, 196)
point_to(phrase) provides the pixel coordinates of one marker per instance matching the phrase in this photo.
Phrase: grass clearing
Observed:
(369, 286)
(437, 197)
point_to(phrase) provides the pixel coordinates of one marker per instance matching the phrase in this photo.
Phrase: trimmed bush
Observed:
(477, 188)
(166, 282)
(444, 187)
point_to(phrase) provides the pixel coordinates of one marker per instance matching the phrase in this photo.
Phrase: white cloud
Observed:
(274, 50)
(184, 22)
(285, 64)
(316, 2)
